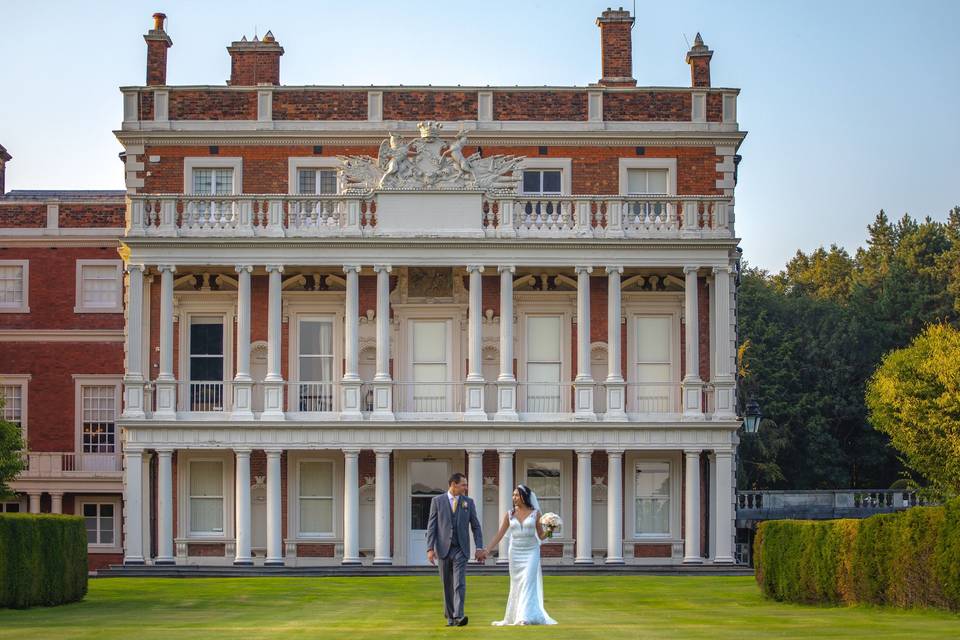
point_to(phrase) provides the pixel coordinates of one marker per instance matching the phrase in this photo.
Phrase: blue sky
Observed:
(851, 105)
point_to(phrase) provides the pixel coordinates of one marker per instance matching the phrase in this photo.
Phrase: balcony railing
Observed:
(818, 504)
(496, 216)
(53, 464)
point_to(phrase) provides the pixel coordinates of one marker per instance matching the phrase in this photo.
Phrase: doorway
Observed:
(426, 479)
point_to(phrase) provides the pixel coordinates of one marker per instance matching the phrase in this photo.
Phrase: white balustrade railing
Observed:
(428, 397)
(313, 397)
(544, 397)
(205, 396)
(49, 463)
(653, 397)
(500, 216)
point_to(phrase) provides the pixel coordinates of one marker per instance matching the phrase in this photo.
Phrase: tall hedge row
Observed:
(43, 560)
(906, 559)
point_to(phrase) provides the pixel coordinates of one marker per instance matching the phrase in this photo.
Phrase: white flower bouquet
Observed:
(551, 522)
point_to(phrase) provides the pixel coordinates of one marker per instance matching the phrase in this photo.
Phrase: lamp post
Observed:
(752, 416)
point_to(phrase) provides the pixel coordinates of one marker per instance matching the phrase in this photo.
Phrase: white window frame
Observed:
(117, 546)
(649, 303)
(565, 165)
(22, 381)
(204, 303)
(674, 460)
(333, 499)
(670, 164)
(543, 303)
(295, 163)
(294, 458)
(453, 313)
(78, 306)
(525, 457)
(184, 458)
(304, 305)
(212, 162)
(24, 306)
(21, 502)
(96, 380)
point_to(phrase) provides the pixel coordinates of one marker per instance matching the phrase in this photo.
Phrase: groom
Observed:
(448, 539)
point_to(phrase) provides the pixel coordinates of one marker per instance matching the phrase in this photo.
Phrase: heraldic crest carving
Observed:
(428, 162)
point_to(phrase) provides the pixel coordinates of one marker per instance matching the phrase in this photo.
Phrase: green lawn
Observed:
(410, 607)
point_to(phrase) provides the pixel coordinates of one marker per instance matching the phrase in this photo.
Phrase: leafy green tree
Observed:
(11, 452)
(914, 398)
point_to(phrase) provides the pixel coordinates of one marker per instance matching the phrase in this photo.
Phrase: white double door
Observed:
(426, 479)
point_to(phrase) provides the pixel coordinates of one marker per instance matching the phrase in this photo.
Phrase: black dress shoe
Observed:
(462, 622)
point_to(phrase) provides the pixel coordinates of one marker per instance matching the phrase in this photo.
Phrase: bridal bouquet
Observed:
(551, 522)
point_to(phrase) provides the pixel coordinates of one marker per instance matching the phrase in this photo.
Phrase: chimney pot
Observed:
(158, 19)
(255, 62)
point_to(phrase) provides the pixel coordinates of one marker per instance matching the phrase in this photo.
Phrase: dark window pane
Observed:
(531, 181)
(206, 368)
(89, 510)
(206, 339)
(308, 181)
(551, 182)
(328, 181)
(106, 511)
(420, 512)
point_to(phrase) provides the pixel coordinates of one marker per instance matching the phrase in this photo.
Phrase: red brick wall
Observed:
(652, 551)
(661, 106)
(210, 104)
(50, 391)
(616, 51)
(157, 62)
(540, 105)
(52, 292)
(309, 104)
(313, 550)
(700, 71)
(22, 215)
(92, 215)
(146, 105)
(434, 105)
(250, 68)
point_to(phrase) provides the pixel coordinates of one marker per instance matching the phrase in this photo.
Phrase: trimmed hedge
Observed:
(43, 560)
(906, 559)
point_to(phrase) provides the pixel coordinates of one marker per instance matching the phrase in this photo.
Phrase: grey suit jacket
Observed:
(443, 523)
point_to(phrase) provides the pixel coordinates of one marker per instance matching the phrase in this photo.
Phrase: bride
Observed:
(525, 604)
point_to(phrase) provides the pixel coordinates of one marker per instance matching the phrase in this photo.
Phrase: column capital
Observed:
(724, 269)
(273, 453)
(383, 453)
(130, 268)
(506, 452)
(351, 453)
(382, 267)
(474, 267)
(475, 452)
(614, 453)
(164, 452)
(347, 268)
(691, 453)
(132, 453)
(55, 494)
(240, 268)
(583, 453)
(166, 267)
(501, 268)
(614, 268)
(721, 453)
(582, 268)
(690, 268)
(242, 452)
(274, 267)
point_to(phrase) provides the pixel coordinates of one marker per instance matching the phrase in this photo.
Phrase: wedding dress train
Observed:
(525, 603)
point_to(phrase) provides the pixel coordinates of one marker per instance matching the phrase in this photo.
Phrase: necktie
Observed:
(455, 502)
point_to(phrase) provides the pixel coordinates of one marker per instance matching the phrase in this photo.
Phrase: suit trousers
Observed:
(453, 573)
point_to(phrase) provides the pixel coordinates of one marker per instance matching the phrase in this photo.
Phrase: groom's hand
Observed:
(481, 555)
(432, 556)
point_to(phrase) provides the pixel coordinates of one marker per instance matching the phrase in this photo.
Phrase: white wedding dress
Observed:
(525, 603)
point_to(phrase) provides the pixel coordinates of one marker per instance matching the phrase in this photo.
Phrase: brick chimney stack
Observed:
(254, 62)
(699, 60)
(157, 44)
(616, 48)
(4, 159)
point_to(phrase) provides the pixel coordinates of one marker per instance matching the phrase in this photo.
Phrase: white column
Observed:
(724, 382)
(351, 507)
(242, 384)
(166, 389)
(132, 492)
(475, 483)
(242, 507)
(473, 387)
(614, 506)
(616, 388)
(723, 525)
(274, 512)
(381, 553)
(584, 508)
(691, 520)
(164, 507)
(351, 374)
(382, 382)
(583, 384)
(692, 384)
(34, 502)
(506, 382)
(273, 382)
(56, 502)
(133, 383)
(506, 498)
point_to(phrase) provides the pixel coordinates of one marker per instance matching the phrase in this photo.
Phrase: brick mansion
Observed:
(311, 304)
